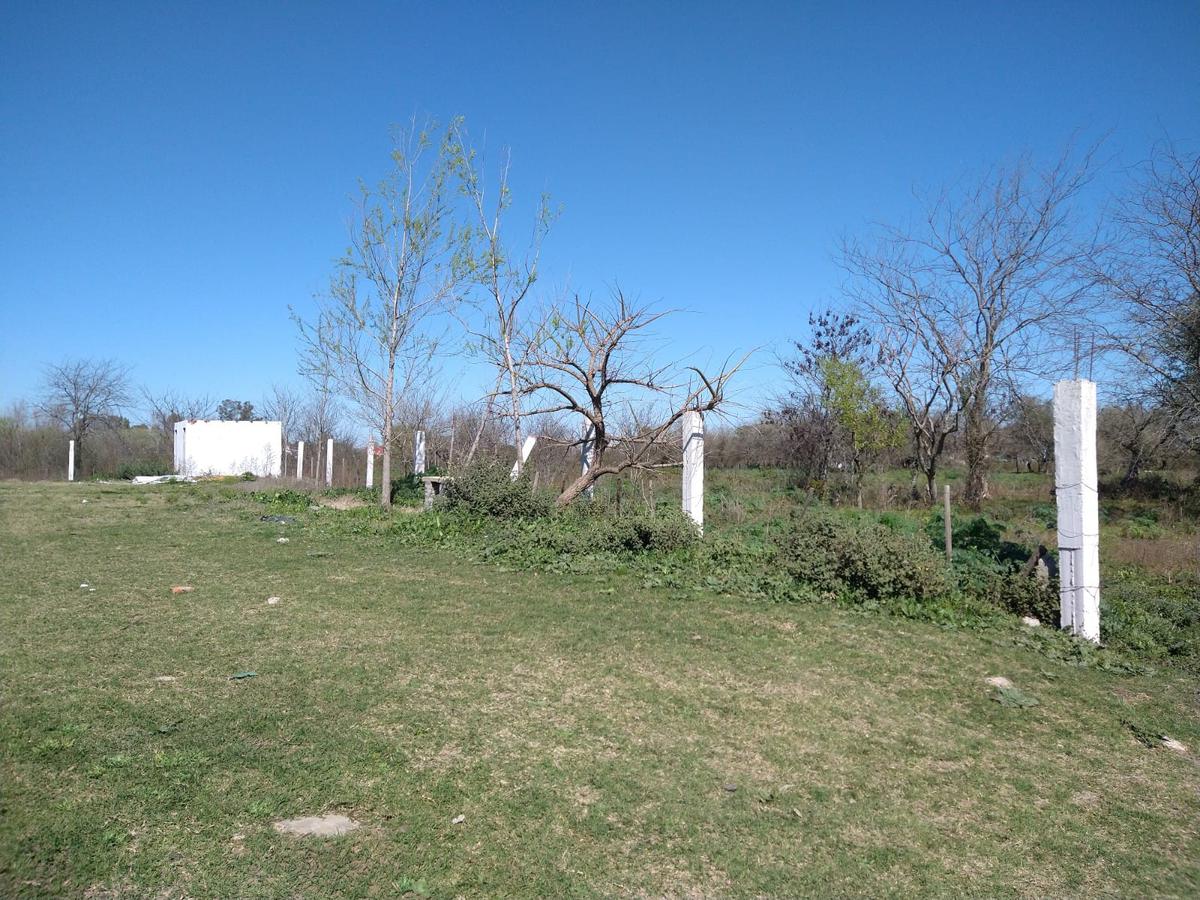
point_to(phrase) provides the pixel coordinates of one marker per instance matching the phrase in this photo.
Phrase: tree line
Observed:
(941, 346)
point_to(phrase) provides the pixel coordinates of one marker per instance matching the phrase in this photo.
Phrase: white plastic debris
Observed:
(458, 820)
(271, 601)
(85, 501)
(84, 586)
(281, 540)
(1030, 621)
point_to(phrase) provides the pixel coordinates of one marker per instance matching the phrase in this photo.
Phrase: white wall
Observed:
(228, 448)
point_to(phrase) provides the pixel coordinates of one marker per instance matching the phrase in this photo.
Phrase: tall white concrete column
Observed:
(300, 459)
(71, 461)
(693, 467)
(329, 463)
(1077, 495)
(370, 464)
(419, 452)
(587, 454)
(526, 449)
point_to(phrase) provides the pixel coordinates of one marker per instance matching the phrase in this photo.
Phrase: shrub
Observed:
(408, 490)
(486, 488)
(129, 470)
(866, 560)
(977, 535)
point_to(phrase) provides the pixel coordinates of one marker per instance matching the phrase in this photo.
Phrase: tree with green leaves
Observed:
(856, 407)
(374, 335)
(235, 411)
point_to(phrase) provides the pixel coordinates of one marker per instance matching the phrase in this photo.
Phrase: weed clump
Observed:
(488, 489)
(864, 559)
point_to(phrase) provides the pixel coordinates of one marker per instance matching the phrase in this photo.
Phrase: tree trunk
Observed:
(385, 473)
(975, 441)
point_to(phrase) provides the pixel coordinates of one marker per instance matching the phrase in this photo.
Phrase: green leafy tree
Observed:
(868, 427)
(375, 335)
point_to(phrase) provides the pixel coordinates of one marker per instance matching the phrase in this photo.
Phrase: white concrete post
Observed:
(526, 449)
(71, 461)
(587, 454)
(693, 467)
(370, 464)
(1076, 493)
(329, 463)
(300, 459)
(419, 452)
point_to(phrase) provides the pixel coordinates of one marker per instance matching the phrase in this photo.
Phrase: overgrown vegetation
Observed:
(798, 551)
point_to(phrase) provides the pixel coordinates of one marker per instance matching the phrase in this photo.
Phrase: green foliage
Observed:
(408, 491)
(486, 488)
(857, 407)
(1152, 619)
(867, 559)
(129, 470)
(283, 500)
(1015, 697)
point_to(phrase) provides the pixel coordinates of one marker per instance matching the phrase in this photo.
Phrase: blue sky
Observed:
(176, 175)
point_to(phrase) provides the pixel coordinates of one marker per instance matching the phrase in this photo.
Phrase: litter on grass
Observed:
(239, 676)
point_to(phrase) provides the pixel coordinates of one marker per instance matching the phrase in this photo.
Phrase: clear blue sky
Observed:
(175, 175)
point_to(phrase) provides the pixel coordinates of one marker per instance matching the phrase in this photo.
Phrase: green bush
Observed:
(408, 491)
(487, 489)
(863, 559)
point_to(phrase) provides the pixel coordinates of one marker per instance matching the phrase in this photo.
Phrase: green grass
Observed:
(585, 726)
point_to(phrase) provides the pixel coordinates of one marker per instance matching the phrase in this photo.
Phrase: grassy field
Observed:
(598, 738)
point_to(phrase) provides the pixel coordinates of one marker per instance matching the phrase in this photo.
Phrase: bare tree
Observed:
(503, 279)
(82, 394)
(922, 379)
(1137, 433)
(372, 335)
(590, 360)
(1030, 421)
(1153, 271)
(989, 281)
(168, 407)
(284, 405)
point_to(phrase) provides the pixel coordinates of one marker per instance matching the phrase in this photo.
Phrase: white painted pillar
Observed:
(71, 461)
(370, 464)
(1077, 495)
(587, 455)
(300, 459)
(526, 449)
(693, 467)
(419, 452)
(329, 463)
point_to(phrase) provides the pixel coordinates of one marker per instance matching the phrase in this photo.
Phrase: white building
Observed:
(205, 447)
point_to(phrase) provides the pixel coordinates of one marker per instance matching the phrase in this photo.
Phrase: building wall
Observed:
(228, 448)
